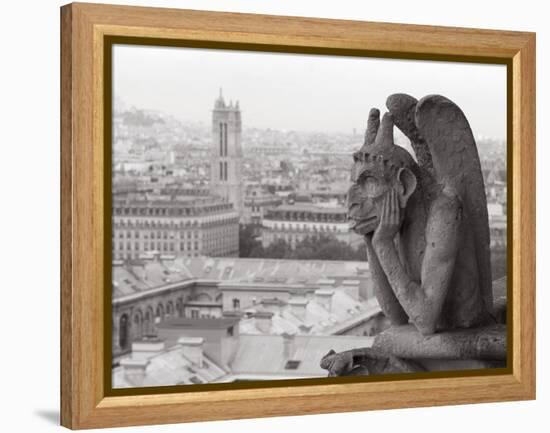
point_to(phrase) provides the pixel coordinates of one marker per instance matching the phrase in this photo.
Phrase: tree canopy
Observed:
(320, 247)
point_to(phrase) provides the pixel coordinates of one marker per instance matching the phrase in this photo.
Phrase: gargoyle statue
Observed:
(424, 222)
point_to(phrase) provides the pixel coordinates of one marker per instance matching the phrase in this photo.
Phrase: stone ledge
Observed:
(486, 343)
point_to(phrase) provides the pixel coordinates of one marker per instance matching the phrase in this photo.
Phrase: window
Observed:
(147, 326)
(123, 331)
(236, 304)
(194, 314)
(225, 169)
(230, 331)
(221, 170)
(170, 309)
(221, 139)
(138, 329)
(159, 315)
(225, 138)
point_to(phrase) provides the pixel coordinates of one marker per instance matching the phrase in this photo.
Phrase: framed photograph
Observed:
(267, 215)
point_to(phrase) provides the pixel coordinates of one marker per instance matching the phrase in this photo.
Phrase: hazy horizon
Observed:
(300, 92)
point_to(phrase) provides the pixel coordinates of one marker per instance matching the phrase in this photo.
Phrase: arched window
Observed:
(203, 297)
(179, 307)
(137, 325)
(169, 309)
(147, 328)
(225, 139)
(159, 316)
(221, 139)
(123, 331)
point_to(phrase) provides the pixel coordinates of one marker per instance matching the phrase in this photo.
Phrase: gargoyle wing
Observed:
(446, 131)
(402, 108)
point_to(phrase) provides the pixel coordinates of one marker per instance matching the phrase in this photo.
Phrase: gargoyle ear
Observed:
(406, 185)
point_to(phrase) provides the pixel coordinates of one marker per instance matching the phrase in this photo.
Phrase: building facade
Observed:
(294, 222)
(226, 161)
(256, 203)
(146, 293)
(136, 316)
(189, 226)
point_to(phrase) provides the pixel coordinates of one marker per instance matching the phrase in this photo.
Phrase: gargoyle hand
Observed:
(337, 364)
(390, 219)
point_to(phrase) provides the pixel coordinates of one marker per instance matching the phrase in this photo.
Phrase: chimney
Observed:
(298, 307)
(351, 287)
(263, 321)
(192, 349)
(326, 283)
(233, 313)
(145, 349)
(272, 304)
(134, 370)
(324, 298)
(289, 345)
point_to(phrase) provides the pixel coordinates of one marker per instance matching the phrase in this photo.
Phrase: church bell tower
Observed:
(226, 161)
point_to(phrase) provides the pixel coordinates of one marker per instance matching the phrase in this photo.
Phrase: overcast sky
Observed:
(301, 92)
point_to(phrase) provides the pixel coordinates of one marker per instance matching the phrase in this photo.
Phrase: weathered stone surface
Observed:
(402, 349)
(425, 224)
(361, 362)
(426, 231)
(403, 109)
(456, 161)
(487, 343)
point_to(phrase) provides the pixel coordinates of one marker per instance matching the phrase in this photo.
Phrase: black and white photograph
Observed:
(275, 216)
(283, 216)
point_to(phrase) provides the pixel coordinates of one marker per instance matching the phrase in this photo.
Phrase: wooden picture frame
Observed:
(85, 212)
